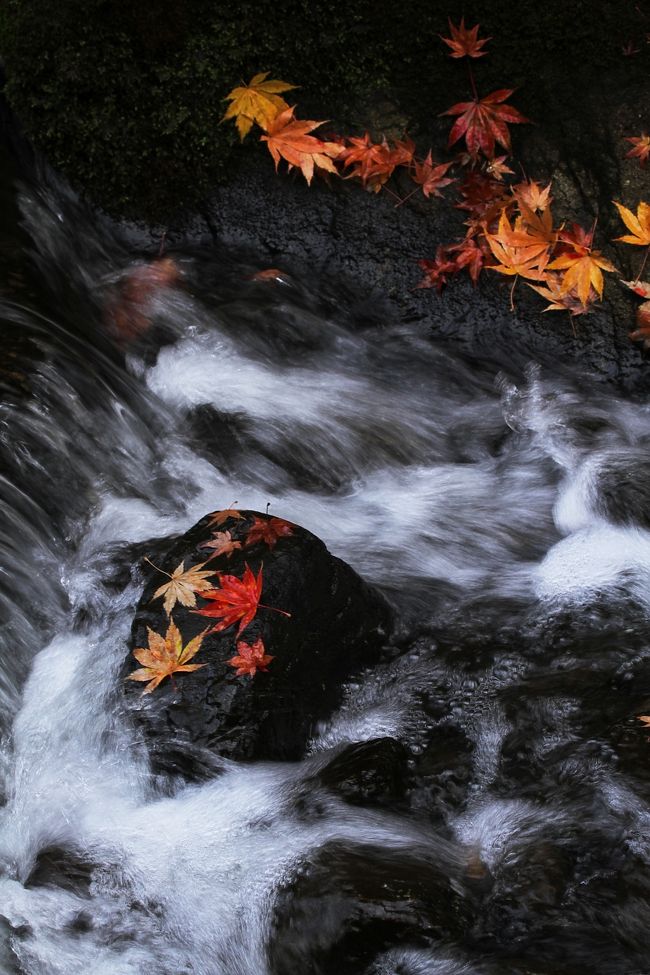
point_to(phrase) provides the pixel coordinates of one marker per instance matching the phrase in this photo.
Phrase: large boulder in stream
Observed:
(265, 703)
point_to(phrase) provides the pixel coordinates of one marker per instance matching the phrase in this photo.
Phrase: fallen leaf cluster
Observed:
(510, 227)
(227, 599)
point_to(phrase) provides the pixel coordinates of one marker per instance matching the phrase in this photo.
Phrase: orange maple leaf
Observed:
(373, 162)
(645, 718)
(258, 101)
(582, 265)
(560, 299)
(533, 195)
(237, 599)
(517, 252)
(639, 225)
(218, 518)
(463, 41)
(288, 139)
(484, 122)
(222, 543)
(165, 656)
(431, 177)
(250, 658)
(268, 530)
(183, 585)
(641, 150)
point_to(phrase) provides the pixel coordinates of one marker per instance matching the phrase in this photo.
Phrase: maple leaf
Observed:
(431, 177)
(218, 518)
(641, 148)
(288, 138)
(533, 195)
(372, 162)
(642, 332)
(561, 300)
(583, 266)
(183, 585)
(237, 599)
(484, 122)
(469, 254)
(258, 101)
(268, 530)
(250, 658)
(464, 42)
(639, 225)
(496, 167)
(516, 252)
(437, 270)
(165, 656)
(645, 718)
(483, 197)
(222, 543)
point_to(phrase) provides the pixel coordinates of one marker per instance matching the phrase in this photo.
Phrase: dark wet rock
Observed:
(62, 868)
(367, 772)
(337, 625)
(350, 903)
(623, 490)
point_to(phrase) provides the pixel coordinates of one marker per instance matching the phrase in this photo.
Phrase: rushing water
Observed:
(506, 518)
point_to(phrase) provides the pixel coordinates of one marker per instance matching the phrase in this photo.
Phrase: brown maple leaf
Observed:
(464, 42)
(258, 101)
(497, 168)
(560, 300)
(237, 599)
(533, 195)
(183, 585)
(645, 718)
(642, 332)
(430, 176)
(250, 658)
(641, 150)
(484, 122)
(268, 530)
(222, 543)
(218, 518)
(165, 656)
(639, 225)
(288, 138)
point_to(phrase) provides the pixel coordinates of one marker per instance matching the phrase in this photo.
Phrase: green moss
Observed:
(125, 98)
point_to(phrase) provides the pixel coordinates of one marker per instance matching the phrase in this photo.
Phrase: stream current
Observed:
(504, 515)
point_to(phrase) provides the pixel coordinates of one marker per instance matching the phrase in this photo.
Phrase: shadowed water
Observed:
(505, 516)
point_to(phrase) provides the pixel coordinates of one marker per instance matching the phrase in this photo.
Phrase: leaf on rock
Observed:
(484, 122)
(430, 176)
(641, 148)
(464, 42)
(268, 530)
(288, 138)
(437, 269)
(533, 195)
(258, 101)
(165, 656)
(183, 585)
(250, 658)
(221, 543)
(639, 225)
(218, 518)
(582, 266)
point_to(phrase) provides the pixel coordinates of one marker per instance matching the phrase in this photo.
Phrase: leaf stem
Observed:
(472, 82)
(274, 609)
(642, 268)
(157, 567)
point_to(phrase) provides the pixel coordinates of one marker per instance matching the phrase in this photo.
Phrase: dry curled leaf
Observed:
(165, 656)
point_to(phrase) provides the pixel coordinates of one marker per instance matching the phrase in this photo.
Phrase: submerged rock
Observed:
(253, 707)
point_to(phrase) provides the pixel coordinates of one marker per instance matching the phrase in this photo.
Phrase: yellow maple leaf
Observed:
(183, 585)
(165, 656)
(258, 101)
(639, 225)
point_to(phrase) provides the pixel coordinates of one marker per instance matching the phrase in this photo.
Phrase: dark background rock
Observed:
(337, 625)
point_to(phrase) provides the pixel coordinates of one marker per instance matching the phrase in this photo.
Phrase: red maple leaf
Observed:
(437, 270)
(431, 177)
(463, 41)
(250, 658)
(471, 255)
(237, 599)
(641, 148)
(268, 530)
(484, 122)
